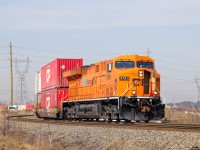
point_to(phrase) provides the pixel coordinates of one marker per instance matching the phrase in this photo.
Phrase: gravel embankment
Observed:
(87, 138)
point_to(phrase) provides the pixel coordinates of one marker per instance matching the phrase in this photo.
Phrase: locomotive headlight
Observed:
(140, 73)
(133, 92)
(155, 93)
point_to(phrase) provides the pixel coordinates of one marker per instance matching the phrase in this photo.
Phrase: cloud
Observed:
(98, 15)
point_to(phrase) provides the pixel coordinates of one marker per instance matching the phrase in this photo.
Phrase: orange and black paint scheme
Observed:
(126, 87)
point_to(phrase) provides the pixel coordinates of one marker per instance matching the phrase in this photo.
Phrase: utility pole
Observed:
(198, 87)
(148, 52)
(11, 76)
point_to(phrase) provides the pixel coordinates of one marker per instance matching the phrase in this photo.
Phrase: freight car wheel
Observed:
(38, 115)
(59, 116)
(65, 114)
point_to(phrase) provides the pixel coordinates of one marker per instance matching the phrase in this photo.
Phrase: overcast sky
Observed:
(44, 30)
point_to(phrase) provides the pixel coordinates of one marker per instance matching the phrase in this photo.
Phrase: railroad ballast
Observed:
(126, 87)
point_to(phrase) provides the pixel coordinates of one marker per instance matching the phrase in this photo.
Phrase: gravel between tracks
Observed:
(98, 138)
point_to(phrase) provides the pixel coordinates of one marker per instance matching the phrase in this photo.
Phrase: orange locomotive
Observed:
(126, 87)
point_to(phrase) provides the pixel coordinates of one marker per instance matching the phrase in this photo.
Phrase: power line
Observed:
(5, 60)
(72, 51)
(39, 56)
(178, 70)
(177, 79)
(7, 90)
(4, 46)
(4, 53)
(175, 83)
(91, 51)
(28, 48)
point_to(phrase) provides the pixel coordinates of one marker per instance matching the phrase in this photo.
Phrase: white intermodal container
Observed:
(21, 107)
(38, 83)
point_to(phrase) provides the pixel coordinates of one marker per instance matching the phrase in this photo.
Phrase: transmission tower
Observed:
(22, 92)
(198, 86)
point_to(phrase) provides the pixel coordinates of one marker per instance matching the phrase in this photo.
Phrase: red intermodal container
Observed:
(51, 74)
(3, 107)
(29, 106)
(53, 98)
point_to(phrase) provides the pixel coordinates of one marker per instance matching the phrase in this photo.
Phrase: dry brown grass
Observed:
(19, 140)
(182, 115)
(13, 137)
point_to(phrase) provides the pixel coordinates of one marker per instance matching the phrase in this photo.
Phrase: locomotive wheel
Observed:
(109, 118)
(117, 120)
(127, 121)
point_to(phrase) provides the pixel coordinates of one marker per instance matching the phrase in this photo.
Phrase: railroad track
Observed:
(145, 126)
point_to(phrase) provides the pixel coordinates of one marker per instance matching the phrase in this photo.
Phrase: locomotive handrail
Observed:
(65, 96)
(159, 92)
(123, 93)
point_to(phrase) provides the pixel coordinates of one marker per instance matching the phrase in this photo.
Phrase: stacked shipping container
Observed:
(29, 106)
(53, 87)
(51, 74)
(53, 97)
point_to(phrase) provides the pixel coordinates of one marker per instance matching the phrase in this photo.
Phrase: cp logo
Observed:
(47, 102)
(48, 75)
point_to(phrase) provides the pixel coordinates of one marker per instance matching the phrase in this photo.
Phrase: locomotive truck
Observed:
(126, 87)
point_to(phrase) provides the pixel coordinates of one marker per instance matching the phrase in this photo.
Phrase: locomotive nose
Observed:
(145, 82)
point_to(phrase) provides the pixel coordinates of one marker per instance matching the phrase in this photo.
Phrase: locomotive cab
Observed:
(142, 80)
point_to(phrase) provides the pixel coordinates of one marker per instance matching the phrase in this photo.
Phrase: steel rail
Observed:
(144, 126)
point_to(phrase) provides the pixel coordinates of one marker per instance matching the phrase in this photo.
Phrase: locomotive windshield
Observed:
(124, 64)
(141, 64)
